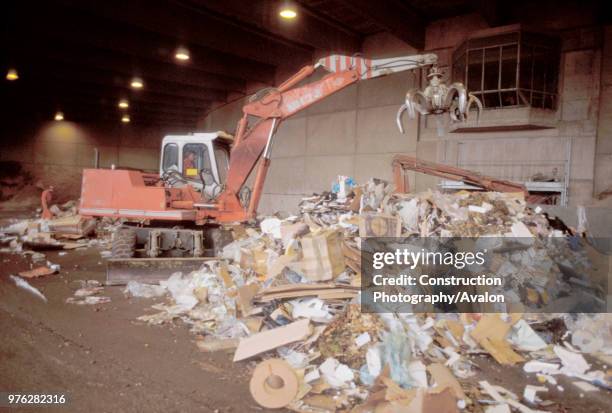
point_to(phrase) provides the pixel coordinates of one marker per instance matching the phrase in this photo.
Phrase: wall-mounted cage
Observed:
(509, 69)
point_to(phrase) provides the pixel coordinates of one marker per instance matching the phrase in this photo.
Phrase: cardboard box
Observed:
(323, 257)
(379, 225)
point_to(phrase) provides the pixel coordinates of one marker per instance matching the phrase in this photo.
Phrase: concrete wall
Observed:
(603, 147)
(56, 152)
(517, 155)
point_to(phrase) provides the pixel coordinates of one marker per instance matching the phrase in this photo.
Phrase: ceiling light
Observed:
(125, 119)
(182, 54)
(12, 75)
(288, 12)
(59, 116)
(137, 83)
(124, 104)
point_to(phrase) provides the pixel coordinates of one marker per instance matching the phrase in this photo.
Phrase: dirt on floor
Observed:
(105, 361)
(100, 357)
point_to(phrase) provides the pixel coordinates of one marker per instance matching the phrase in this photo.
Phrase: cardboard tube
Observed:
(274, 384)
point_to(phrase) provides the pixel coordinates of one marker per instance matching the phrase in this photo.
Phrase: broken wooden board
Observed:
(322, 294)
(292, 287)
(62, 235)
(210, 344)
(271, 339)
(73, 245)
(352, 255)
(320, 290)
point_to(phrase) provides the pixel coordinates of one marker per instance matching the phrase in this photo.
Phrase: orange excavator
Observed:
(202, 178)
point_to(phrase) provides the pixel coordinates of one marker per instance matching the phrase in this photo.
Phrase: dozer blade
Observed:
(149, 270)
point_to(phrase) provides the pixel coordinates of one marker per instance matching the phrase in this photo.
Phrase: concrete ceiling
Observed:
(79, 55)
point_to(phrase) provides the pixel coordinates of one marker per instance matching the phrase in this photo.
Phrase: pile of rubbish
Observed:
(285, 297)
(286, 294)
(67, 230)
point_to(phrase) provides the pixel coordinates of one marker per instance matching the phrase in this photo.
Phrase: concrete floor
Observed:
(99, 356)
(107, 362)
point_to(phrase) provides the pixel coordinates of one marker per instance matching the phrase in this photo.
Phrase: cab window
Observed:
(170, 157)
(222, 158)
(195, 158)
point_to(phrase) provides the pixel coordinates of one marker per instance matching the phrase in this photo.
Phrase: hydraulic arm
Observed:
(267, 109)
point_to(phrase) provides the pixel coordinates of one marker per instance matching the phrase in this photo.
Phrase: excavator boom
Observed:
(254, 138)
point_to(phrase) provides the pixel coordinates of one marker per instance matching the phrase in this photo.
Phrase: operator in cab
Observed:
(189, 165)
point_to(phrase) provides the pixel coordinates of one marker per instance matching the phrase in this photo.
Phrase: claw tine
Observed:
(479, 106)
(398, 117)
(474, 100)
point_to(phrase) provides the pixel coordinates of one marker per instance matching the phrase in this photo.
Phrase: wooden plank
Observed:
(271, 339)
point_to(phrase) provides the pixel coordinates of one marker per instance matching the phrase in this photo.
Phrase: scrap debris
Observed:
(67, 230)
(284, 297)
(40, 271)
(88, 294)
(21, 283)
(287, 292)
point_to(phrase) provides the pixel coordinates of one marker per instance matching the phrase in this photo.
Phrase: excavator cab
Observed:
(199, 159)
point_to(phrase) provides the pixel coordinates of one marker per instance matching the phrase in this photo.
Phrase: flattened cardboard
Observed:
(355, 204)
(245, 298)
(456, 329)
(225, 276)
(430, 402)
(443, 378)
(490, 326)
(279, 264)
(490, 333)
(291, 231)
(37, 272)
